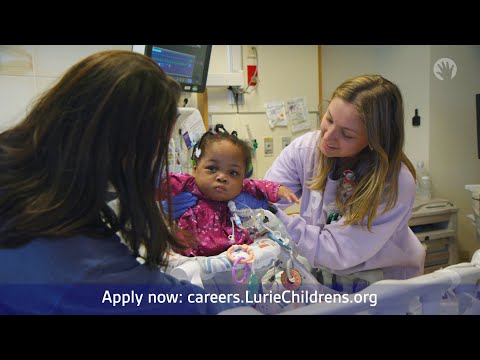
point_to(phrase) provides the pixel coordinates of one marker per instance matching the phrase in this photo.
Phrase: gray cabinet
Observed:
(434, 222)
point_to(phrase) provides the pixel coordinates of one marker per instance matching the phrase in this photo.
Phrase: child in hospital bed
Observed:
(221, 165)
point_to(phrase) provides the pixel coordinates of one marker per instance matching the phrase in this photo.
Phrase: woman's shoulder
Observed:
(405, 175)
(406, 181)
(304, 146)
(309, 139)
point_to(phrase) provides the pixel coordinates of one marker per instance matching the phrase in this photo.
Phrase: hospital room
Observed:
(355, 168)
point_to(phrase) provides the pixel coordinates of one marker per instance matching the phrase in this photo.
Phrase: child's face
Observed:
(219, 173)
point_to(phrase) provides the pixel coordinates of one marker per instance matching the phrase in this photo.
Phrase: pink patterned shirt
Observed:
(209, 221)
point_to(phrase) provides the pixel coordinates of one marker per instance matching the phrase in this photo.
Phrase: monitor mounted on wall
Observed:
(188, 64)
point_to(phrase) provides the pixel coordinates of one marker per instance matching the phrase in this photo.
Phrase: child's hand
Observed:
(286, 193)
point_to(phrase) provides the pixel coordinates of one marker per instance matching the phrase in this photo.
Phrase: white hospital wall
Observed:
(408, 66)
(453, 135)
(285, 72)
(27, 70)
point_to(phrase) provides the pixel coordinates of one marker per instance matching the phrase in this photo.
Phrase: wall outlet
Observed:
(285, 141)
(268, 146)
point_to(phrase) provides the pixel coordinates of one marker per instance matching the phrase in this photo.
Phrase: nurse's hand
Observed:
(245, 200)
(180, 204)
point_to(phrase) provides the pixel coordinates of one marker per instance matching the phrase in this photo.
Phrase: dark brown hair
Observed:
(107, 122)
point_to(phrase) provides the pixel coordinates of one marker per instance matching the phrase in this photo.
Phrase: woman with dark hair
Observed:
(104, 126)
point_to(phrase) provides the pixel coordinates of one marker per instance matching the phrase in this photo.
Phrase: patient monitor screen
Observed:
(188, 64)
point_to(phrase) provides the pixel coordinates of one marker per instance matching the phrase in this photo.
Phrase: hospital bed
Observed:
(451, 290)
(454, 290)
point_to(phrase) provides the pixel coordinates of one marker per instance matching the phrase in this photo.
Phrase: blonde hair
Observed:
(380, 106)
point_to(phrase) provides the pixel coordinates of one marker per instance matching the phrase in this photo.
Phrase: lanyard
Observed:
(333, 217)
(346, 186)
